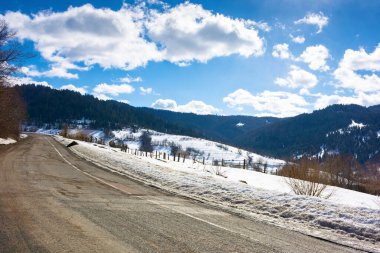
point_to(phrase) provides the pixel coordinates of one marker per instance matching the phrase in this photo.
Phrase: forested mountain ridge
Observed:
(348, 129)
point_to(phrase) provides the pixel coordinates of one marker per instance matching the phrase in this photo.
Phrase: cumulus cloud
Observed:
(297, 39)
(188, 33)
(350, 72)
(165, 104)
(123, 101)
(72, 87)
(317, 19)
(194, 106)
(315, 57)
(361, 98)
(113, 89)
(89, 35)
(282, 51)
(268, 103)
(101, 96)
(130, 79)
(26, 81)
(146, 91)
(132, 36)
(298, 78)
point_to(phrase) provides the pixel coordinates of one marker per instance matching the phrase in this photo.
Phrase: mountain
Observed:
(214, 127)
(46, 105)
(348, 129)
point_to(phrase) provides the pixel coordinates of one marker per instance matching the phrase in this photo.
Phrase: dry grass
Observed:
(305, 178)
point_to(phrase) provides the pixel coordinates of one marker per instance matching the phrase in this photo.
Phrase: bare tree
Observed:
(12, 109)
(10, 53)
(146, 142)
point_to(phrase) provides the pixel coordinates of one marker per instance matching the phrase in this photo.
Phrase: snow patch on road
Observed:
(7, 141)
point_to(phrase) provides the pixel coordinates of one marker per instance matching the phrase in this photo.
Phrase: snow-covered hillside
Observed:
(348, 217)
(199, 147)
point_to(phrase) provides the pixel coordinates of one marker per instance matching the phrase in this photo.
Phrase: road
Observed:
(53, 201)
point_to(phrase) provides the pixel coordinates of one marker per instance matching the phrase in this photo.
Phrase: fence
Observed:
(183, 157)
(246, 164)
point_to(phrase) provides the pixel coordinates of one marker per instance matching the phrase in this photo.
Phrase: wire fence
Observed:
(245, 164)
(183, 156)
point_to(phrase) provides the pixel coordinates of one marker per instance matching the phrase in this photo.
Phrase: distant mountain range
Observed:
(348, 129)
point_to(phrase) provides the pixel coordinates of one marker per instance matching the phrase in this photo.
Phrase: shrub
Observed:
(305, 178)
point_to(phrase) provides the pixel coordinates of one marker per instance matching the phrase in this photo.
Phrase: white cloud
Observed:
(113, 89)
(317, 19)
(59, 69)
(123, 101)
(189, 33)
(298, 78)
(129, 79)
(297, 39)
(26, 81)
(361, 99)
(146, 91)
(316, 57)
(353, 61)
(132, 36)
(112, 39)
(165, 104)
(72, 87)
(282, 51)
(101, 96)
(194, 106)
(268, 103)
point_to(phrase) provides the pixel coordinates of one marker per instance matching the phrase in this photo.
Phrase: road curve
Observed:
(53, 201)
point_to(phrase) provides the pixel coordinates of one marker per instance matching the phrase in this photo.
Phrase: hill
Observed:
(347, 129)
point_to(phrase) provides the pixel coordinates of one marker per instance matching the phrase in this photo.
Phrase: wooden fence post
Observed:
(184, 156)
(203, 161)
(244, 165)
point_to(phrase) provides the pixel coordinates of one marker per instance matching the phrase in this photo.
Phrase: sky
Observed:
(248, 57)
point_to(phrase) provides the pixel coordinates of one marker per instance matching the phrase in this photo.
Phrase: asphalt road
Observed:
(53, 201)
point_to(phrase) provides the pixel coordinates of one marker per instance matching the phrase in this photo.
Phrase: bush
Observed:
(305, 178)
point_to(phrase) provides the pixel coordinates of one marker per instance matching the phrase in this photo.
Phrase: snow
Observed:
(348, 217)
(240, 124)
(356, 125)
(48, 131)
(347, 130)
(208, 149)
(7, 141)
(10, 140)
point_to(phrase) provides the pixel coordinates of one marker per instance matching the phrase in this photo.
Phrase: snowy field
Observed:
(208, 149)
(348, 217)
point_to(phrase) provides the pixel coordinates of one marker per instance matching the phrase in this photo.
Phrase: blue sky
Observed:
(251, 57)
